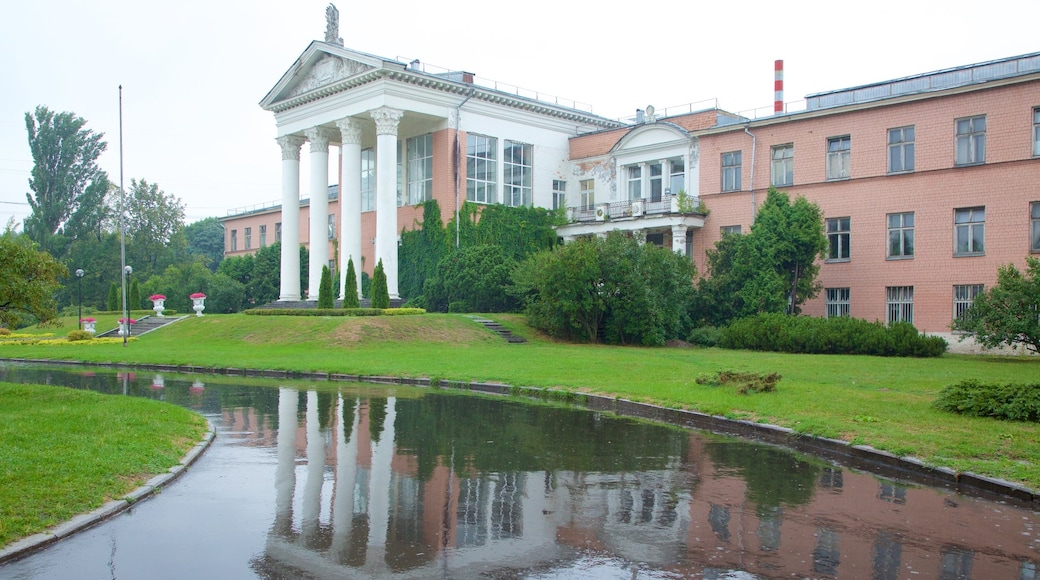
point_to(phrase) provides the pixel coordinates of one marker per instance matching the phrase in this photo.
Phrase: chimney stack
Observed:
(778, 87)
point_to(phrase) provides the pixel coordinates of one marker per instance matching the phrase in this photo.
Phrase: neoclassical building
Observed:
(927, 183)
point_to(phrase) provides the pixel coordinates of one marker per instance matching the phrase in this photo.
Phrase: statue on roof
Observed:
(332, 25)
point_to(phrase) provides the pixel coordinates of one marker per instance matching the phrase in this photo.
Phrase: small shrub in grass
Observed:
(838, 335)
(705, 336)
(76, 335)
(1013, 402)
(745, 382)
(5, 332)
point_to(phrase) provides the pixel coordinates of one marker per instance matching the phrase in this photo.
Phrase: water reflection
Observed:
(423, 483)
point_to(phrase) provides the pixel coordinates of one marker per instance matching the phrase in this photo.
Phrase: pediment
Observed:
(652, 135)
(320, 65)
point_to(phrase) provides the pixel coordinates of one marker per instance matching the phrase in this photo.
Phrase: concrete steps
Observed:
(499, 330)
(144, 325)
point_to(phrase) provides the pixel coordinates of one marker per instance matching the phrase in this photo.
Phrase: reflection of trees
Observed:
(496, 435)
(775, 477)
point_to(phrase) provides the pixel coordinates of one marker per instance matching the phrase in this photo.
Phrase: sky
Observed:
(193, 72)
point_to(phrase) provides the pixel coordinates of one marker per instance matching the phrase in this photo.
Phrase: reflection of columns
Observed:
(679, 239)
(387, 120)
(285, 473)
(290, 270)
(319, 226)
(350, 201)
(379, 490)
(346, 475)
(315, 470)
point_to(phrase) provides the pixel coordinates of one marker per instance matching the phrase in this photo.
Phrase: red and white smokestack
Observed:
(778, 87)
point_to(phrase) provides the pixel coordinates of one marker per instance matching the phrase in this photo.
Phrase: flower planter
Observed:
(126, 326)
(88, 324)
(158, 304)
(198, 303)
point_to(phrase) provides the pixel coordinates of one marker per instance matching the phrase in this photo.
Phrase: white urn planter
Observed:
(158, 304)
(198, 303)
(126, 326)
(88, 325)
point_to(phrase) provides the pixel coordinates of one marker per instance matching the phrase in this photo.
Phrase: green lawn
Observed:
(883, 402)
(65, 452)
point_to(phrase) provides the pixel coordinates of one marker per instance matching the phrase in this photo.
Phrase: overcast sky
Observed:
(193, 72)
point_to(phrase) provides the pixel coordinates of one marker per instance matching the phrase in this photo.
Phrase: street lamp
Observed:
(127, 270)
(79, 322)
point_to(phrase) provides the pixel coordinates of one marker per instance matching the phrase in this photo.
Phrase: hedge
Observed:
(335, 311)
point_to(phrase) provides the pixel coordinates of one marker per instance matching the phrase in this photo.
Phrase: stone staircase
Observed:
(499, 330)
(144, 325)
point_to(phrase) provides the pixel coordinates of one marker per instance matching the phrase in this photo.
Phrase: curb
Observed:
(31, 544)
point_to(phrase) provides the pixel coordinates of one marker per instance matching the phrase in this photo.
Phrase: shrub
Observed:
(745, 382)
(325, 299)
(472, 279)
(5, 332)
(839, 335)
(350, 295)
(1012, 402)
(705, 336)
(77, 335)
(380, 293)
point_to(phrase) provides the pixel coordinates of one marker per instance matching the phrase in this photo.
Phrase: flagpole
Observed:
(122, 234)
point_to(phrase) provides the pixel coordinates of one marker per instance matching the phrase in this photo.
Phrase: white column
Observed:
(350, 201)
(379, 489)
(387, 120)
(346, 476)
(290, 269)
(319, 226)
(285, 472)
(679, 239)
(311, 508)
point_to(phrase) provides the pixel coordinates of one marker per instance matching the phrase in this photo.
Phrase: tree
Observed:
(113, 304)
(380, 293)
(133, 299)
(205, 238)
(29, 280)
(152, 219)
(68, 188)
(473, 279)
(325, 298)
(350, 295)
(1009, 313)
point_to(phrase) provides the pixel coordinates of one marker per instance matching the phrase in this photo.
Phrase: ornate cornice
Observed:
(319, 138)
(387, 120)
(350, 130)
(290, 145)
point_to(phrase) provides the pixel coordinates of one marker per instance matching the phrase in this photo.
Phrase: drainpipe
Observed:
(455, 162)
(754, 148)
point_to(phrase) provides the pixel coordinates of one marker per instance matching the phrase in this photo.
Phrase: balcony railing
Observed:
(650, 206)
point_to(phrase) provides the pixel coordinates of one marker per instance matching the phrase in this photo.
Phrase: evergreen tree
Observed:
(134, 296)
(325, 299)
(112, 305)
(350, 295)
(380, 293)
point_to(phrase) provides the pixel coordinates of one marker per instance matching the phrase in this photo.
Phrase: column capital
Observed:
(387, 120)
(290, 145)
(319, 138)
(350, 130)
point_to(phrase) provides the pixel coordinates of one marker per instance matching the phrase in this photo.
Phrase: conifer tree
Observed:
(325, 299)
(380, 293)
(134, 300)
(350, 295)
(112, 304)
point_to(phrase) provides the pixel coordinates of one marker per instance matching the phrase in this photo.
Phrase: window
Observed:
(263, 236)
(782, 170)
(901, 150)
(731, 171)
(971, 140)
(837, 302)
(419, 152)
(678, 177)
(481, 169)
(656, 181)
(278, 232)
(559, 193)
(635, 182)
(901, 235)
(727, 230)
(1036, 131)
(517, 174)
(368, 180)
(838, 238)
(249, 238)
(234, 240)
(900, 304)
(969, 231)
(588, 193)
(839, 157)
(332, 226)
(1034, 220)
(964, 297)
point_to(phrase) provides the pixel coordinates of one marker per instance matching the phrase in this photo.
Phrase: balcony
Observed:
(666, 205)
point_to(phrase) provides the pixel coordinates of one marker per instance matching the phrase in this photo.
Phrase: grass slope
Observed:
(883, 402)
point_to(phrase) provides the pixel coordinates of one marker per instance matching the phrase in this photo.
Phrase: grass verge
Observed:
(64, 452)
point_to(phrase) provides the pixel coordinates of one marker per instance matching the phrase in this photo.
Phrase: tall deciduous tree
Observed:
(28, 282)
(68, 188)
(206, 238)
(153, 219)
(1009, 313)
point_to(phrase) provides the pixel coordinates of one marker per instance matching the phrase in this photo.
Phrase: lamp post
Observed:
(79, 321)
(127, 270)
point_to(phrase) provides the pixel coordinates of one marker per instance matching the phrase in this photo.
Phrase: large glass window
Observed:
(969, 231)
(839, 157)
(678, 177)
(481, 169)
(588, 193)
(838, 239)
(517, 173)
(901, 235)
(971, 140)
(1034, 219)
(963, 297)
(559, 193)
(899, 301)
(368, 180)
(656, 181)
(731, 169)
(837, 302)
(901, 150)
(419, 151)
(782, 168)
(635, 182)
(729, 230)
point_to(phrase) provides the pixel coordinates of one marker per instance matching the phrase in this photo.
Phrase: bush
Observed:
(839, 335)
(77, 335)
(5, 332)
(380, 293)
(472, 279)
(745, 382)
(705, 336)
(350, 295)
(325, 299)
(1012, 402)
(334, 311)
